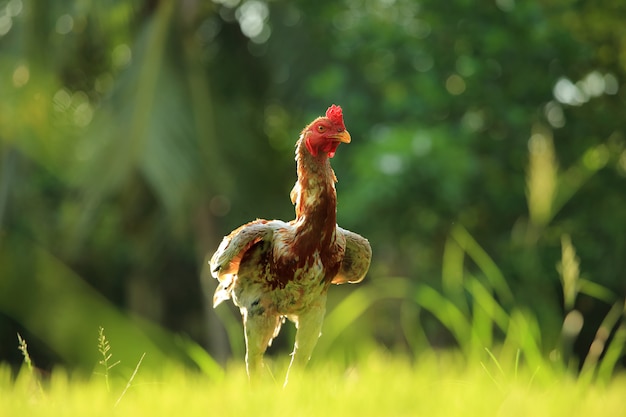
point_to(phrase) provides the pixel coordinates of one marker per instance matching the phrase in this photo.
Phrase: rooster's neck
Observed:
(314, 196)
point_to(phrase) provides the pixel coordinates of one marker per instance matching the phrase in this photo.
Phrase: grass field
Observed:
(516, 373)
(377, 385)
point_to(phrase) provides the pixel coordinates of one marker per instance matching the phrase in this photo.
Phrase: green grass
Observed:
(501, 365)
(377, 385)
(517, 374)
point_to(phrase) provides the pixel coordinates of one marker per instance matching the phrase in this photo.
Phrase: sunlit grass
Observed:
(499, 366)
(437, 384)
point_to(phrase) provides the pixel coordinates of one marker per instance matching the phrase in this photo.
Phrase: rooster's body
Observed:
(273, 269)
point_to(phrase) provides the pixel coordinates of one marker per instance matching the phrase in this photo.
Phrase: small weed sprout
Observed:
(104, 347)
(23, 347)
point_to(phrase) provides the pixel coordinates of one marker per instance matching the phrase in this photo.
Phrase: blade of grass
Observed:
(130, 380)
(595, 290)
(201, 358)
(495, 360)
(446, 312)
(493, 313)
(524, 336)
(490, 304)
(493, 379)
(599, 344)
(612, 355)
(452, 274)
(355, 304)
(484, 262)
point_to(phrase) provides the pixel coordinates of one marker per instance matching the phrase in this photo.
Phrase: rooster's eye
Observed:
(321, 129)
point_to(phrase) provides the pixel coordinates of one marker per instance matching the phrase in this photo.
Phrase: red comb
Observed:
(335, 114)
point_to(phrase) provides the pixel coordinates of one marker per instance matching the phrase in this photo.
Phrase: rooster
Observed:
(273, 269)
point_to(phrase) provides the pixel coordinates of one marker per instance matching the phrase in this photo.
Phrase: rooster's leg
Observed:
(259, 331)
(309, 327)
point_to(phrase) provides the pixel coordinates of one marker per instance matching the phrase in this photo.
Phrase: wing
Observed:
(356, 259)
(225, 261)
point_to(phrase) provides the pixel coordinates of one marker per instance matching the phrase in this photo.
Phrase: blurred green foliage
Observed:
(134, 134)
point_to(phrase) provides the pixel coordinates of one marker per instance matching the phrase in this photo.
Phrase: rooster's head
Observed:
(324, 134)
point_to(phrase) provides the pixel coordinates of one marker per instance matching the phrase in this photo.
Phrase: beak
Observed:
(342, 136)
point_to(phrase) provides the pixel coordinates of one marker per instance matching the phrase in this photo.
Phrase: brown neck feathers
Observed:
(315, 199)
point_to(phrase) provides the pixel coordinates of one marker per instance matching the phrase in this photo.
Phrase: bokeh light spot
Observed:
(611, 85)
(14, 8)
(219, 205)
(21, 75)
(423, 62)
(64, 24)
(252, 17)
(121, 55)
(5, 24)
(506, 5)
(421, 144)
(62, 100)
(554, 114)
(390, 164)
(455, 85)
(596, 158)
(83, 114)
(473, 120)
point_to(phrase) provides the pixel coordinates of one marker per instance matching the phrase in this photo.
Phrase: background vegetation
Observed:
(488, 169)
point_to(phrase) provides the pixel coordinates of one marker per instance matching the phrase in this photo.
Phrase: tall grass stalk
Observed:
(23, 347)
(542, 175)
(596, 365)
(104, 347)
(30, 365)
